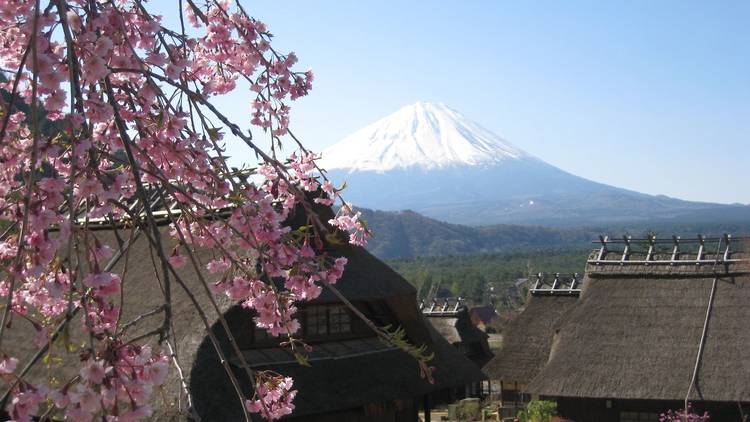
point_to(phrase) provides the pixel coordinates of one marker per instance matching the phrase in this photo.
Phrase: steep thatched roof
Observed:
(457, 328)
(142, 292)
(636, 329)
(446, 327)
(336, 379)
(365, 278)
(528, 339)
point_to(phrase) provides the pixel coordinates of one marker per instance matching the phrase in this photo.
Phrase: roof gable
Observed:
(528, 339)
(635, 333)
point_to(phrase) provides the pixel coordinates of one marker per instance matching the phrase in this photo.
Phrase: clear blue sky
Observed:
(652, 96)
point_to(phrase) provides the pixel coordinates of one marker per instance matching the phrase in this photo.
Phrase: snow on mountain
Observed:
(430, 159)
(423, 135)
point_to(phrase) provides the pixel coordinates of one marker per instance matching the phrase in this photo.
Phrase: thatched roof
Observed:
(459, 331)
(636, 329)
(142, 293)
(341, 376)
(457, 328)
(365, 278)
(446, 327)
(528, 339)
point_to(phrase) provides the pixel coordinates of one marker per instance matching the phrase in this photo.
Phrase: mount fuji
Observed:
(429, 158)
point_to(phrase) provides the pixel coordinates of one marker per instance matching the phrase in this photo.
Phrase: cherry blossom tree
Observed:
(683, 415)
(104, 107)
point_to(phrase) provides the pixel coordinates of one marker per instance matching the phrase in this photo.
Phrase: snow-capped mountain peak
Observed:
(432, 160)
(421, 135)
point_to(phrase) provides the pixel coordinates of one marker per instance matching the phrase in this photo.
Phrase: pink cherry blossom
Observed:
(94, 69)
(177, 260)
(275, 397)
(136, 116)
(93, 372)
(8, 365)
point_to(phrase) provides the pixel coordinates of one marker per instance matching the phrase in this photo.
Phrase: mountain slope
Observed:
(406, 234)
(402, 234)
(431, 159)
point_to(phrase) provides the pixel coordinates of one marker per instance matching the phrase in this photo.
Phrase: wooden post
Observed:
(700, 249)
(651, 241)
(728, 240)
(538, 281)
(502, 401)
(556, 281)
(603, 250)
(626, 251)
(676, 250)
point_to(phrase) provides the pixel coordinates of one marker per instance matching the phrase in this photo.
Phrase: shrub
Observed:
(538, 411)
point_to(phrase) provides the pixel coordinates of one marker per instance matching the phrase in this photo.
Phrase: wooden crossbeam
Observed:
(559, 286)
(666, 262)
(679, 255)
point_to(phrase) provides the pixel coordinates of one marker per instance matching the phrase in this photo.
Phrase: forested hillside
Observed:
(408, 234)
(403, 234)
(467, 276)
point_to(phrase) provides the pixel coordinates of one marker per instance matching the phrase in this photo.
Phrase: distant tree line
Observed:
(468, 276)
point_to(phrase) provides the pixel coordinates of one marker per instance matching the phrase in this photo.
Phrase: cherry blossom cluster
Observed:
(119, 387)
(274, 395)
(118, 383)
(235, 46)
(103, 108)
(684, 416)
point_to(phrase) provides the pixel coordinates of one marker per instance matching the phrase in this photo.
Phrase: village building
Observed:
(352, 375)
(657, 322)
(508, 294)
(527, 340)
(485, 318)
(450, 318)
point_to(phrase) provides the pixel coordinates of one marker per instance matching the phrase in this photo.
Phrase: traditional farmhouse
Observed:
(657, 323)
(450, 318)
(485, 318)
(352, 375)
(528, 338)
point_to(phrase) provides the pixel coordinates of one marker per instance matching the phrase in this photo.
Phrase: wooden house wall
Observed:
(512, 393)
(393, 411)
(612, 410)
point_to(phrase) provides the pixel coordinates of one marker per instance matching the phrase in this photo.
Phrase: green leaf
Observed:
(332, 239)
(302, 359)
